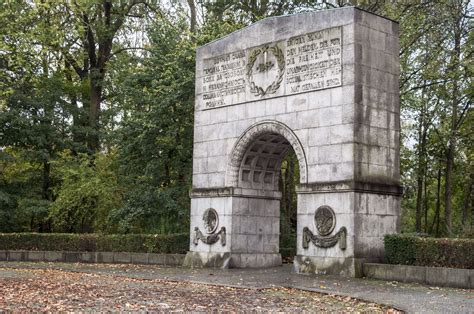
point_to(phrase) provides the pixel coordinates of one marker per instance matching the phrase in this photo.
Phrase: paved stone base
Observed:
(92, 257)
(228, 260)
(434, 276)
(326, 266)
(259, 260)
(200, 259)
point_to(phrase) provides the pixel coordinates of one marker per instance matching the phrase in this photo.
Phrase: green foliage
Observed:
(22, 206)
(89, 191)
(289, 179)
(400, 249)
(141, 69)
(288, 244)
(144, 243)
(155, 141)
(425, 251)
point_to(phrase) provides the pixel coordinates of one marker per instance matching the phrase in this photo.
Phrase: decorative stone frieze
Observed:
(325, 242)
(210, 239)
(325, 221)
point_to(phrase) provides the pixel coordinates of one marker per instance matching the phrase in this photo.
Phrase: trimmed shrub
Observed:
(425, 251)
(142, 243)
(287, 252)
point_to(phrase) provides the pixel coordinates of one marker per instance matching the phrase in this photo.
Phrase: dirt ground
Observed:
(52, 290)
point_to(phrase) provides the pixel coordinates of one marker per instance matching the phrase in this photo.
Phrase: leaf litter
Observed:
(52, 290)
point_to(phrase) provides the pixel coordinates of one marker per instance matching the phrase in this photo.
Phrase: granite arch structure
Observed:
(326, 84)
(261, 148)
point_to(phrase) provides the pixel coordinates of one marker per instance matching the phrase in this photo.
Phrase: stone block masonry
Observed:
(92, 257)
(324, 84)
(433, 276)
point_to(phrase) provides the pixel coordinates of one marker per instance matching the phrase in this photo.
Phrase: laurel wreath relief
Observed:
(272, 88)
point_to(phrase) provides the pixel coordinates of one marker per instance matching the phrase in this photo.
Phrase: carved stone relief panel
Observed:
(303, 63)
(265, 69)
(210, 220)
(325, 221)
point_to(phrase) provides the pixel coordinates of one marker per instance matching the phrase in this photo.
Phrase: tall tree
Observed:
(458, 77)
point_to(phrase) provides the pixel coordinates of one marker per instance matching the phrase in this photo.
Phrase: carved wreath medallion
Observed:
(210, 220)
(264, 66)
(325, 220)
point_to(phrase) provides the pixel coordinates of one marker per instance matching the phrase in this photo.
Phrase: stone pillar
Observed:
(251, 224)
(366, 146)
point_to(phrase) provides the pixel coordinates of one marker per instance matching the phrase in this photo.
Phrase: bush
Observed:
(424, 251)
(288, 252)
(144, 243)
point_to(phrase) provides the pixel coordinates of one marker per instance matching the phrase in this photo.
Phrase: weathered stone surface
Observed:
(433, 276)
(324, 84)
(52, 256)
(174, 259)
(35, 256)
(158, 259)
(17, 256)
(90, 257)
(197, 259)
(139, 258)
(324, 265)
(72, 257)
(122, 257)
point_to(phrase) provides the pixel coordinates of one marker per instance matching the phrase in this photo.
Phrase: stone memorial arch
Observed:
(326, 85)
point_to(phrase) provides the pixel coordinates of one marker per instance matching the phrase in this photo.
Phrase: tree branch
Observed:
(127, 48)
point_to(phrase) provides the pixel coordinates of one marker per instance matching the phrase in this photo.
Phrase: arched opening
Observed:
(267, 164)
(270, 140)
(270, 163)
(289, 178)
(261, 164)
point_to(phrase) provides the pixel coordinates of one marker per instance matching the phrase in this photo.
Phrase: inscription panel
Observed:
(299, 64)
(314, 61)
(224, 79)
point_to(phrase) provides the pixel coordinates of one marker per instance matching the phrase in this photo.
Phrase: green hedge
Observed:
(145, 243)
(288, 252)
(425, 251)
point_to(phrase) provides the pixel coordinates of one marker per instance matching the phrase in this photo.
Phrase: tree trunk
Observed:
(94, 110)
(454, 124)
(281, 187)
(438, 202)
(192, 10)
(288, 192)
(46, 180)
(419, 198)
(425, 204)
(467, 203)
(421, 171)
(78, 122)
(32, 223)
(448, 187)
